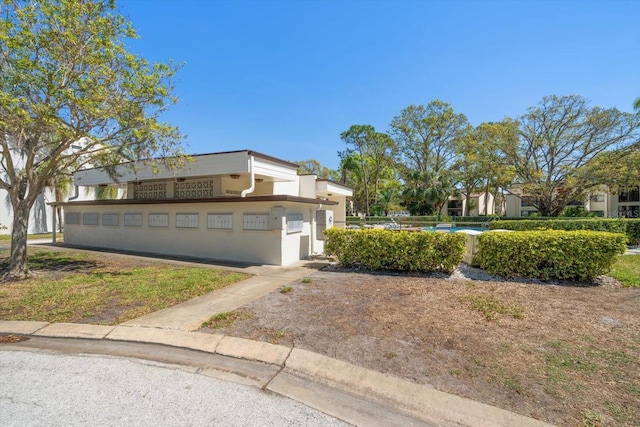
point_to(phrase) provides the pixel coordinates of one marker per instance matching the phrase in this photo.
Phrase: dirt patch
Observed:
(10, 338)
(567, 355)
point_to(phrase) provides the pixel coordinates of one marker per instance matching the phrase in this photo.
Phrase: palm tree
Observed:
(426, 193)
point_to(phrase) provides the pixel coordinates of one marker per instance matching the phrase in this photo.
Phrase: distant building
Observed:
(480, 204)
(623, 203)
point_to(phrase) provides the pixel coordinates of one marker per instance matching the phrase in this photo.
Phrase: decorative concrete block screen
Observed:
(294, 223)
(110, 219)
(133, 219)
(193, 189)
(187, 220)
(72, 218)
(90, 218)
(259, 221)
(158, 220)
(150, 191)
(220, 221)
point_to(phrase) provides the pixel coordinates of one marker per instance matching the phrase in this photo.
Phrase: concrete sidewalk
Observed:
(351, 393)
(189, 315)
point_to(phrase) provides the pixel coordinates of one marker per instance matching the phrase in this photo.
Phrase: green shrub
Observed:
(551, 254)
(395, 250)
(633, 231)
(628, 226)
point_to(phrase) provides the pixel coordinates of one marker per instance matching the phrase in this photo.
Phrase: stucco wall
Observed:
(274, 246)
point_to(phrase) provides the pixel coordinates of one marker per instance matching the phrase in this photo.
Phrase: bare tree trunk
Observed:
(18, 262)
(59, 198)
(486, 199)
(467, 202)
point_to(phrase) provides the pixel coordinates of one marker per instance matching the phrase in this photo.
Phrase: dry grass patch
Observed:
(71, 286)
(568, 355)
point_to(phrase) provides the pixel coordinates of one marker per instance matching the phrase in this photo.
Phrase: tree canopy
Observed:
(372, 151)
(313, 167)
(426, 137)
(72, 95)
(555, 152)
(559, 137)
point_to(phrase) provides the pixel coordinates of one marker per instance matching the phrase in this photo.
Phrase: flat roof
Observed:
(249, 153)
(271, 198)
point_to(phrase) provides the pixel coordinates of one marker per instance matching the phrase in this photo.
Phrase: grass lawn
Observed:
(7, 237)
(70, 286)
(627, 270)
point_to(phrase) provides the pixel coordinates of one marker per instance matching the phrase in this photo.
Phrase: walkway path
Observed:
(351, 393)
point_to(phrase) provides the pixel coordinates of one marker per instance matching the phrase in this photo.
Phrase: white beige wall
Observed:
(308, 186)
(513, 206)
(274, 246)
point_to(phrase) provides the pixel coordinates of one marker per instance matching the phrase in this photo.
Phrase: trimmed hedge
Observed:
(550, 254)
(396, 250)
(630, 227)
(633, 231)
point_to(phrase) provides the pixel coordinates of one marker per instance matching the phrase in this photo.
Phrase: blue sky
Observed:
(287, 77)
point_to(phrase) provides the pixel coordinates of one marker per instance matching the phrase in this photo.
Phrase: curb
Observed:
(354, 394)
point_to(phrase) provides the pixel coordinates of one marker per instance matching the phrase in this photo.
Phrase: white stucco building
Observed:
(625, 202)
(480, 204)
(240, 206)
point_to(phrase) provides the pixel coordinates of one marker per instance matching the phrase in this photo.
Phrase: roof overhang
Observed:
(254, 199)
(326, 187)
(197, 166)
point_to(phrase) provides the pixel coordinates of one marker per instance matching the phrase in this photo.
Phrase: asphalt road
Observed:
(45, 389)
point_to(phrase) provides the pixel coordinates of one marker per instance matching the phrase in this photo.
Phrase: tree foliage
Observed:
(426, 193)
(313, 167)
(426, 137)
(372, 151)
(559, 137)
(72, 95)
(625, 173)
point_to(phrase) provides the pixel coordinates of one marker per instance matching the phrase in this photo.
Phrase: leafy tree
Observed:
(636, 105)
(615, 169)
(467, 169)
(576, 212)
(559, 137)
(373, 152)
(72, 95)
(313, 167)
(349, 165)
(498, 173)
(426, 137)
(349, 174)
(426, 193)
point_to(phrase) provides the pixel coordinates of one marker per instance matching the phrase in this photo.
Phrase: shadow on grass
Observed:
(55, 261)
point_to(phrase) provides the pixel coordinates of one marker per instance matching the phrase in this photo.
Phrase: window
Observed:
(597, 198)
(629, 194)
(528, 201)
